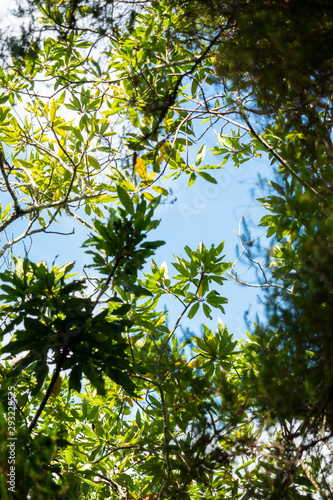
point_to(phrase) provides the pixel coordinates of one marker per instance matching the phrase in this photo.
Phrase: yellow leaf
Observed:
(53, 109)
(148, 196)
(168, 122)
(161, 320)
(163, 151)
(61, 132)
(200, 291)
(106, 198)
(163, 148)
(128, 186)
(196, 362)
(56, 388)
(97, 210)
(140, 167)
(293, 236)
(180, 362)
(116, 90)
(160, 190)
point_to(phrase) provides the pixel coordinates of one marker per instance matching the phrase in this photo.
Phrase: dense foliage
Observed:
(100, 103)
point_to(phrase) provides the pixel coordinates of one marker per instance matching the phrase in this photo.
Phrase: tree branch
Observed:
(49, 390)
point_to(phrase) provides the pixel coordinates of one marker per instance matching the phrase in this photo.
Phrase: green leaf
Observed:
(193, 310)
(6, 211)
(95, 163)
(207, 177)
(207, 310)
(75, 377)
(200, 155)
(125, 200)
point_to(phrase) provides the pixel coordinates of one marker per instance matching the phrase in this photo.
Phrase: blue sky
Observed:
(204, 212)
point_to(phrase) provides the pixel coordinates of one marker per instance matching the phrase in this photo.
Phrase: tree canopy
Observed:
(101, 397)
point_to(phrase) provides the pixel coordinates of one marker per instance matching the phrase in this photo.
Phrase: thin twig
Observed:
(256, 263)
(49, 389)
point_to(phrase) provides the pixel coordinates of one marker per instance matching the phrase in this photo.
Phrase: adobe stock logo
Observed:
(201, 198)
